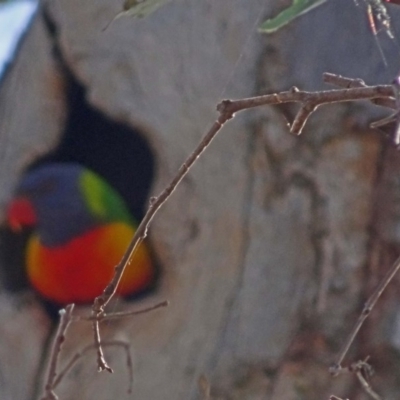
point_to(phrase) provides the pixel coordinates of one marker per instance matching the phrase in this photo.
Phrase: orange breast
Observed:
(78, 271)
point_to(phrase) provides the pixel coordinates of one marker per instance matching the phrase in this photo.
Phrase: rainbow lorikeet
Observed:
(82, 227)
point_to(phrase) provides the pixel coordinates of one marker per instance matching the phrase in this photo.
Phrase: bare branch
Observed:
(85, 350)
(65, 320)
(341, 81)
(310, 101)
(363, 371)
(155, 204)
(369, 305)
(367, 387)
(101, 361)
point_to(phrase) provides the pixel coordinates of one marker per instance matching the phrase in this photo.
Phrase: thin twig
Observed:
(155, 204)
(341, 81)
(65, 320)
(384, 121)
(363, 371)
(141, 232)
(396, 90)
(367, 387)
(310, 101)
(102, 364)
(85, 350)
(122, 314)
(369, 305)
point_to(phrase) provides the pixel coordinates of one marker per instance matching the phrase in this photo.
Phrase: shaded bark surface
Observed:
(271, 244)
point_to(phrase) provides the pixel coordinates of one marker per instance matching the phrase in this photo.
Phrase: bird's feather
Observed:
(83, 227)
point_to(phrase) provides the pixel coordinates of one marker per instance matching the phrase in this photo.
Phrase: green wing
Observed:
(102, 200)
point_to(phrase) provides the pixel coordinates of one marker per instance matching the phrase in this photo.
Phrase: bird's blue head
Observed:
(50, 197)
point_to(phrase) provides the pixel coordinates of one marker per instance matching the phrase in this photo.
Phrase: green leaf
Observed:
(297, 8)
(141, 8)
(138, 9)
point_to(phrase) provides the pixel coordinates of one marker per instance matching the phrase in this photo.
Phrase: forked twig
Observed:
(87, 349)
(122, 314)
(310, 101)
(363, 372)
(54, 378)
(367, 387)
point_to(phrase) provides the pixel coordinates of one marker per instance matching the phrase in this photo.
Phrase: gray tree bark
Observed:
(271, 244)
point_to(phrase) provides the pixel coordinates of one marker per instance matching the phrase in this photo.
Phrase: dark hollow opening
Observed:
(114, 150)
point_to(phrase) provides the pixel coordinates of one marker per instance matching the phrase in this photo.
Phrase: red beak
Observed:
(21, 213)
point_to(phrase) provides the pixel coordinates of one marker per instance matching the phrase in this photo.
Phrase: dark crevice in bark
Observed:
(380, 256)
(318, 231)
(116, 151)
(225, 344)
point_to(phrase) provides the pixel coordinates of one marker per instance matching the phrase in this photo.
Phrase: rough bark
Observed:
(269, 247)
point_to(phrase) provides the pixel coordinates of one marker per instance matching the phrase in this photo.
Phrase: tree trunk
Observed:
(271, 244)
